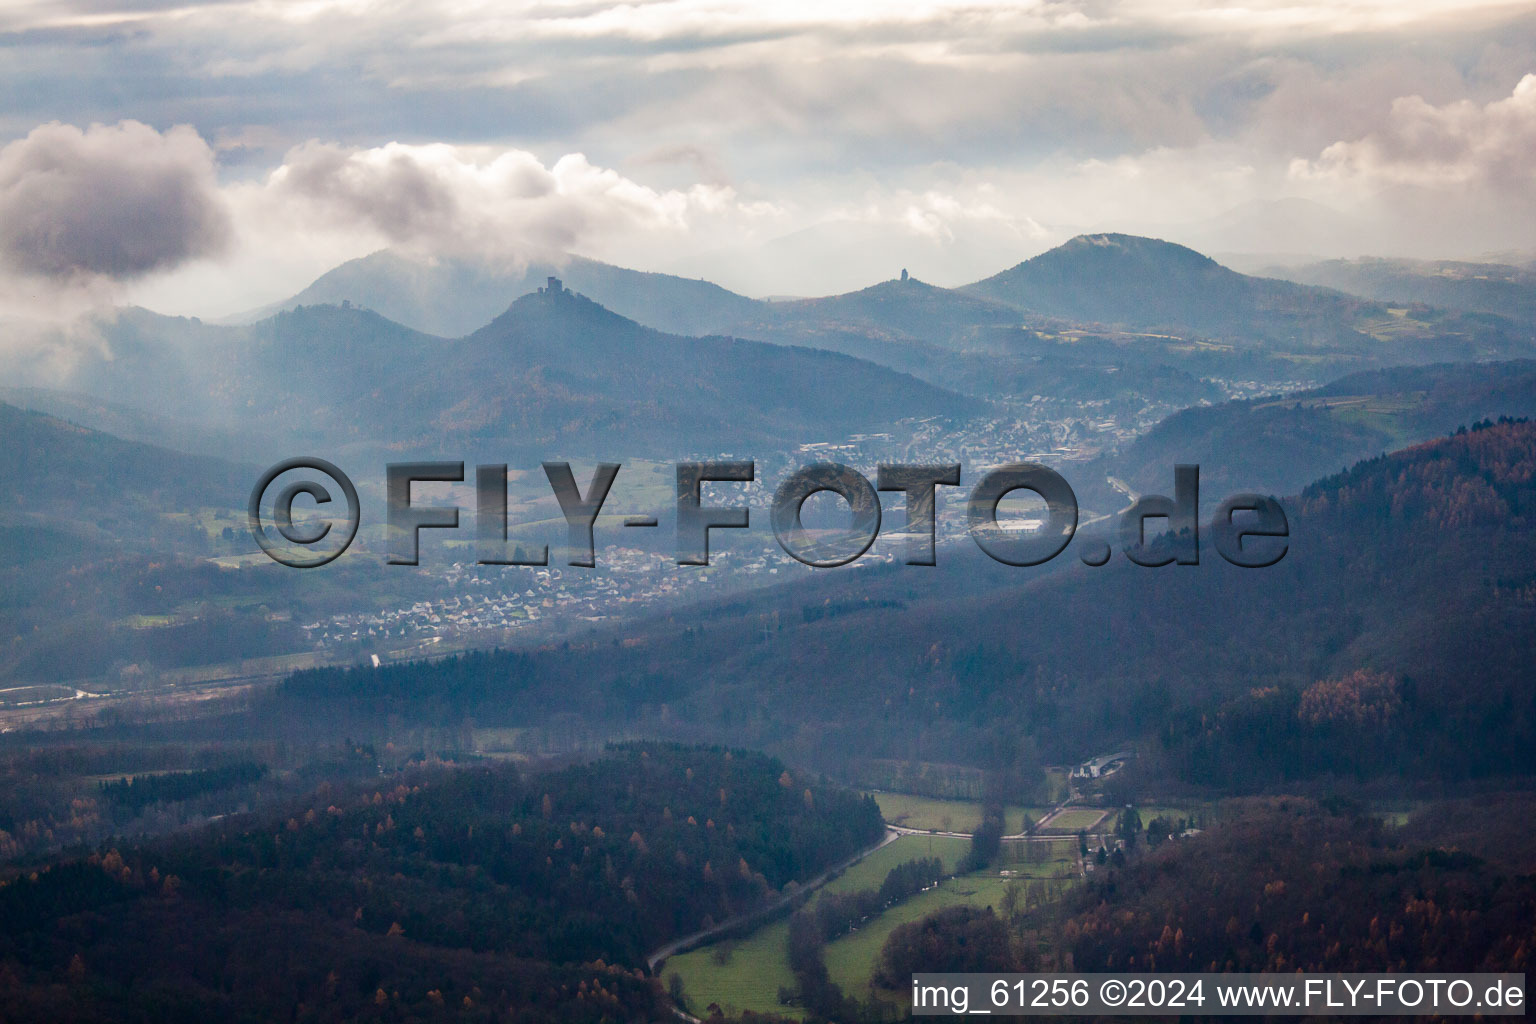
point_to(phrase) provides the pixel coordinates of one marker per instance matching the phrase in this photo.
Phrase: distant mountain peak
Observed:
(895, 285)
(553, 305)
(1152, 284)
(1138, 246)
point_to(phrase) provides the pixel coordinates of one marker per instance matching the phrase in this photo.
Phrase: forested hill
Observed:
(1450, 284)
(555, 372)
(51, 467)
(1152, 285)
(1278, 445)
(1285, 885)
(1396, 638)
(491, 890)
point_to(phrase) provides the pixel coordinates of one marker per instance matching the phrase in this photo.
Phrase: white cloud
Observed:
(1452, 145)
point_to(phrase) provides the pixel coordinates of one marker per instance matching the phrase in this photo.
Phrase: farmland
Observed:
(747, 974)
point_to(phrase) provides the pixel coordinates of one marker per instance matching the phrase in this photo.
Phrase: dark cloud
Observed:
(112, 202)
(397, 193)
(480, 199)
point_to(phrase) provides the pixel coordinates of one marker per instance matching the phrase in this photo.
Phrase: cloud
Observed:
(107, 204)
(769, 88)
(951, 127)
(705, 164)
(442, 198)
(325, 203)
(1455, 144)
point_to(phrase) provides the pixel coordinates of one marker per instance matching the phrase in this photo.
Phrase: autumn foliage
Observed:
(1362, 698)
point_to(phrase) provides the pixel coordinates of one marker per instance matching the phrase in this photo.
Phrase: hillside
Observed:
(906, 324)
(992, 350)
(908, 308)
(104, 537)
(58, 473)
(1088, 319)
(1147, 283)
(1158, 287)
(120, 562)
(1473, 287)
(496, 891)
(1415, 569)
(122, 552)
(1278, 445)
(555, 373)
(558, 372)
(1103, 316)
(296, 378)
(131, 423)
(1286, 885)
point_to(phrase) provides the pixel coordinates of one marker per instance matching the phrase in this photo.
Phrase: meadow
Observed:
(747, 974)
(928, 813)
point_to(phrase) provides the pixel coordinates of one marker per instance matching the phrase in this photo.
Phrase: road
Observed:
(1130, 500)
(659, 956)
(86, 708)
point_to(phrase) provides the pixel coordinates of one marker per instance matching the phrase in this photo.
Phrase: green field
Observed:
(928, 813)
(851, 959)
(747, 975)
(756, 967)
(753, 971)
(1074, 818)
(871, 871)
(1033, 859)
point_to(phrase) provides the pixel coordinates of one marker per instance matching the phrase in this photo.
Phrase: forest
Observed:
(1288, 884)
(487, 889)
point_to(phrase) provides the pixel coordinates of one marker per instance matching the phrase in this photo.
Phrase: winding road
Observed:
(687, 942)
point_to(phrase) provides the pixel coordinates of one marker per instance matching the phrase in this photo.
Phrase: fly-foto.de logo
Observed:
(1247, 530)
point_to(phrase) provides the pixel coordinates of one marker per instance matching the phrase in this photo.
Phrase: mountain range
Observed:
(452, 297)
(1096, 305)
(557, 374)
(554, 373)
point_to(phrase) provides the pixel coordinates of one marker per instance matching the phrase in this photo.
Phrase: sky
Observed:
(205, 158)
